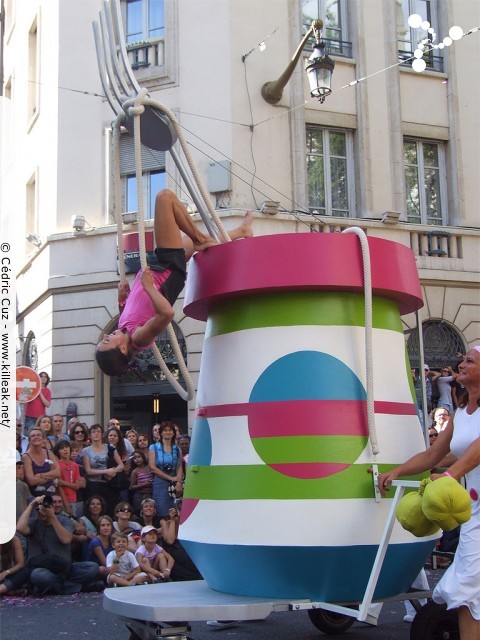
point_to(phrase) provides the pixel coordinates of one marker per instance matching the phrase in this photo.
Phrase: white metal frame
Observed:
(194, 601)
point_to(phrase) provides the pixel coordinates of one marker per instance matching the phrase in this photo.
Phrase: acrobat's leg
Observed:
(171, 218)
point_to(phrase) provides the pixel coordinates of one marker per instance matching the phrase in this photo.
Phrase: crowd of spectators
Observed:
(86, 514)
(442, 391)
(444, 394)
(98, 508)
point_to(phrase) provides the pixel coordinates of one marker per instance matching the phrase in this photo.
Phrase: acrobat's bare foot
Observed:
(204, 241)
(244, 230)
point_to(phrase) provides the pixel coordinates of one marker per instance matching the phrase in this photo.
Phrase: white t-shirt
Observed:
(127, 562)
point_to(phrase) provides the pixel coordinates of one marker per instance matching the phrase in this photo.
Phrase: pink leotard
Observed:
(138, 307)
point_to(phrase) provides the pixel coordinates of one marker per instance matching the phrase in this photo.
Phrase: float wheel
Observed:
(434, 622)
(330, 622)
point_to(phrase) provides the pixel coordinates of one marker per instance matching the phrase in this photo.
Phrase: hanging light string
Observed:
(283, 112)
(262, 45)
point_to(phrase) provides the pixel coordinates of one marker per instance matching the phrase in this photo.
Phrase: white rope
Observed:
(117, 199)
(367, 277)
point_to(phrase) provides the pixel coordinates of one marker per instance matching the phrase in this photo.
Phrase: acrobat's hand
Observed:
(147, 279)
(123, 291)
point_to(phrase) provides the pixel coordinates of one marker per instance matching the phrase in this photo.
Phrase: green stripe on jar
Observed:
(260, 482)
(337, 448)
(300, 308)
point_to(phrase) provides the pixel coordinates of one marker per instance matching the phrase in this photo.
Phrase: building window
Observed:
(9, 14)
(409, 38)
(332, 13)
(33, 90)
(330, 172)
(425, 181)
(441, 343)
(144, 20)
(154, 176)
(31, 213)
(151, 34)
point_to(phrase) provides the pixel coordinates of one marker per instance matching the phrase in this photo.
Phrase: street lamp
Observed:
(319, 67)
(272, 91)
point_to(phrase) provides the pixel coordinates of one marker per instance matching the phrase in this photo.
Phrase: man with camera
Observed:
(49, 537)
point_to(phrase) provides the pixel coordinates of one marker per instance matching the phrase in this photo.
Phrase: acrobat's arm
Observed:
(145, 334)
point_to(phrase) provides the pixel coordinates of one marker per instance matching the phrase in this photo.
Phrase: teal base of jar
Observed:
(338, 574)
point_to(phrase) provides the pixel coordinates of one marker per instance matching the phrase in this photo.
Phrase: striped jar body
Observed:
(278, 500)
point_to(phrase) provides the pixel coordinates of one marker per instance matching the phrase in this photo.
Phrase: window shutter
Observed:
(151, 160)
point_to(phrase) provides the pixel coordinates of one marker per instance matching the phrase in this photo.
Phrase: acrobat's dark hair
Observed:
(112, 362)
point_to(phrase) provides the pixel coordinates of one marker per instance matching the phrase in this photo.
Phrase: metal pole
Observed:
(193, 192)
(421, 373)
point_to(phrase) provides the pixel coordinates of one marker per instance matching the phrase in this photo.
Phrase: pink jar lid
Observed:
(300, 262)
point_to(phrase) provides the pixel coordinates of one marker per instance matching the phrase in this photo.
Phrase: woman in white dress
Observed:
(460, 585)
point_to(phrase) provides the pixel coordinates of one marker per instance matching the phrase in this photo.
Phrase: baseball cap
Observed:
(426, 367)
(19, 458)
(147, 529)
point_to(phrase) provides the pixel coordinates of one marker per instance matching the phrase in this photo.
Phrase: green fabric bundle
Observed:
(442, 504)
(446, 503)
(410, 515)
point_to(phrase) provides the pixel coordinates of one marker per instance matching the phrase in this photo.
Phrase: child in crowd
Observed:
(100, 546)
(147, 310)
(70, 480)
(154, 560)
(123, 568)
(140, 480)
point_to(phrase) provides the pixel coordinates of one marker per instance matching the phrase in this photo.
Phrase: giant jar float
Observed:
(278, 501)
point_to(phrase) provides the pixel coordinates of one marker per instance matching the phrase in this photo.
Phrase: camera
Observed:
(47, 501)
(167, 468)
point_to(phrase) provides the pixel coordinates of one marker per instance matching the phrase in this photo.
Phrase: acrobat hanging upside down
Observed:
(147, 309)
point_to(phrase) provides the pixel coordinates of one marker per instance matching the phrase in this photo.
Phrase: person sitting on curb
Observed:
(49, 554)
(123, 568)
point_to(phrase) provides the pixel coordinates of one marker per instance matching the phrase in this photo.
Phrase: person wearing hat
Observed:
(153, 560)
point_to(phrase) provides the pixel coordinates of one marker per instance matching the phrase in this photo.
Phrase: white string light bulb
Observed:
(455, 33)
(419, 65)
(416, 21)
